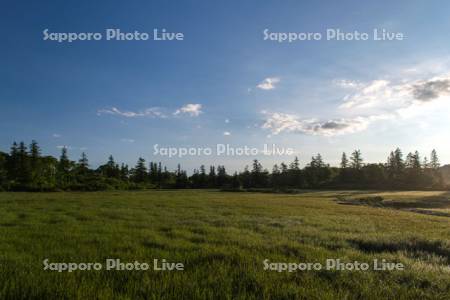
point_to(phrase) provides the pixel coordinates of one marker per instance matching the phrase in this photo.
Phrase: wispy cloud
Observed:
(268, 83)
(227, 133)
(347, 84)
(391, 95)
(152, 112)
(127, 140)
(56, 135)
(192, 110)
(279, 122)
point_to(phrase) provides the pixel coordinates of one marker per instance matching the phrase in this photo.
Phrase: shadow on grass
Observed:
(415, 247)
(417, 205)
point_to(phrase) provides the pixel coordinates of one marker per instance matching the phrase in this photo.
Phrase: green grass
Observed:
(222, 239)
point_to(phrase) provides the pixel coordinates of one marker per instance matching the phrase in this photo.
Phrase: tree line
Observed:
(24, 168)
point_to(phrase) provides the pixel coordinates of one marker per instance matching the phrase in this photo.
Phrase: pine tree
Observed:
(181, 180)
(398, 161)
(3, 171)
(416, 161)
(63, 169)
(256, 178)
(295, 165)
(111, 169)
(356, 160)
(235, 184)
(12, 164)
(124, 173)
(425, 163)
(83, 163)
(35, 154)
(434, 160)
(64, 162)
(23, 163)
(221, 176)
(344, 161)
(212, 176)
(202, 177)
(140, 171)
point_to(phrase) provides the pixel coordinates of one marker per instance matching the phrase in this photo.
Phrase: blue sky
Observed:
(224, 83)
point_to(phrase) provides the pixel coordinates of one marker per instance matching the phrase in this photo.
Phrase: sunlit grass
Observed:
(222, 239)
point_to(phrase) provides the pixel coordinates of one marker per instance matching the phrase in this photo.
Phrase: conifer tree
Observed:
(356, 160)
(63, 169)
(344, 161)
(83, 163)
(140, 171)
(434, 160)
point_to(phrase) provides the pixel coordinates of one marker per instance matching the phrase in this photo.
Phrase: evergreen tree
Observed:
(29, 170)
(83, 162)
(344, 161)
(356, 160)
(258, 177)
(35, 154)
(111, 169)
(181, 180)
(222, 177)
(295, 165)
(12, 165)
(235, 184)
(276, 176)
(212, 176)
(317, 173)
(398, 160)
(140, 171)
(23, 166)
(434, 160)
(425, 163)
(124, 172)
(396, 168)
(203, 181)
(3, 171)
(245, 178)
(63, 169)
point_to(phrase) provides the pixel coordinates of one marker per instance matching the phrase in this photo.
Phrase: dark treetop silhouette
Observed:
(25, 169)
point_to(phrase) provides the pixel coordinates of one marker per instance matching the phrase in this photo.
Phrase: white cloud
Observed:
(280, 122)
(402, 95)
(153, 112)
(268, 83)
(394, 96)
(127, 140)
(193, 110)
(56, 135)
(227, 133)
(347, 84)
(227, 121)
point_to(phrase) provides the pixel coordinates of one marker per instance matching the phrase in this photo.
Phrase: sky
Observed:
(226, 81)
